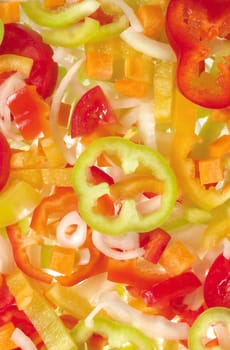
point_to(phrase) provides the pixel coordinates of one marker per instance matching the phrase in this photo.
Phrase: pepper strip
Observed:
(11, 63)
(116, 333)
(132, 157)
(21, 258)
(41, 314)
(182, 144)
(61, 18)
(208, 318)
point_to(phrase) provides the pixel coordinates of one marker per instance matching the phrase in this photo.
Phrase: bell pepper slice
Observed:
(5, 156)
(192, 28)
(11, 63)
(40, 312)
(116, 334)
(131, 157)
(10, 214)
(21, 258)
(183, 140)
(62, 17)
(208, 318)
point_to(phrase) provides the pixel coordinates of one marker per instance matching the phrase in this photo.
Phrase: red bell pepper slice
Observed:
(21, 40)
(171, 289)
(192, 28)
(217, 283)
(154, 243)
(30, 112)
(21, 258)
(6, 299)
(91, 110)
(5, 155)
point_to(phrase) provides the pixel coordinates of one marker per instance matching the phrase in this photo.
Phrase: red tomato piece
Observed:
(4, 161)
(21, 40)
(217, 283)
(92, 109)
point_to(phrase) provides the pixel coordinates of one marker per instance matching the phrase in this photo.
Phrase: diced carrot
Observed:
(9, 11)
(5, 334)
(131, 88)
(177, 258)
(133, 68)
(64, 113)
(152, 20)
(220, 115)
(210, 344)
(210, 170)
(99, 65)
(63, 260)
(220, 147)
(53, 4)
(104, 206)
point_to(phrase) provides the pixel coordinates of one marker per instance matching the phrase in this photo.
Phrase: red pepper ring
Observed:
(193, 28)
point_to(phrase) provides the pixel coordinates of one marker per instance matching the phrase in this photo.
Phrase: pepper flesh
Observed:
(131, 156)
(192, 27)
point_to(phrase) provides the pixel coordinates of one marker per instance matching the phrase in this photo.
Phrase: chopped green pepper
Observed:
(210, 317)
(133, 158)
(116, 333)
(40, 312)
(58, 18)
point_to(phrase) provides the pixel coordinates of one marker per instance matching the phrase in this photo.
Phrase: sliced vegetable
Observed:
(21, 40)
(131, 158)
(9, 11)
(192, 28)
(5, 156)
(91, 110)
(60, 18)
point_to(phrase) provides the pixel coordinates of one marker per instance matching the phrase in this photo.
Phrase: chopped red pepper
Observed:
(30, 112)
(90, 111)
(192, 27)
(154, 243)
(4, 160)
(22, 40)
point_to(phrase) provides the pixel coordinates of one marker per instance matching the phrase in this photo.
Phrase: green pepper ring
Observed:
(207, 318)
(131, 156)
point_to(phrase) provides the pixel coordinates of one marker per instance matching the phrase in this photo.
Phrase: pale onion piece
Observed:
(7, 264)
(226, 248)
(126, 242)
(222, 335)
(100, 244)
(130, 14)
(58, 136)
(7, 88)
(84, 256)
(154, 326)
(75, 239)
(148, 46)
(22, 340)
(195, 299)
(149, 205)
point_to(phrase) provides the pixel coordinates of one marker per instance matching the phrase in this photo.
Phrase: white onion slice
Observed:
(75, 239)
(226, 250)
(148, 46)
(154, 326)
(55, 106)
(130, 14)
(222, 335)
(103, 247)
(7, 264)
(149, 205)
(22, 340)
(126, 242)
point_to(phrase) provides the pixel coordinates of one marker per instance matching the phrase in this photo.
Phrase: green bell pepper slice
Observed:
(17, 201)
(208, 318)
(58, 18)
(41, 314)
(72, 36)
(1, 31)
(133, 158)
(116, 334)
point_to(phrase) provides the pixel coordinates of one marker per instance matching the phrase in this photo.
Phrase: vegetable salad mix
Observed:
(115, 175)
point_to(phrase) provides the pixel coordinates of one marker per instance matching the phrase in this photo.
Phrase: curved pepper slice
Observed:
(4, 161)
(133, 158)
(183, 142)
(1, 31)
(193, 27)
(60, 18)
(116, 333)
(205, 320)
